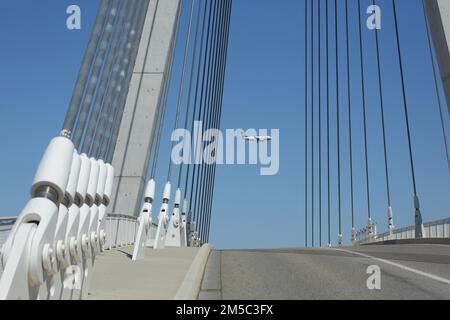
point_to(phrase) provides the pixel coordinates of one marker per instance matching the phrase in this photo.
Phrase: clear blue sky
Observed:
(264, 88)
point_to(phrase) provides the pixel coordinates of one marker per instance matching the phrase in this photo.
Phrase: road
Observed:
(406, 272)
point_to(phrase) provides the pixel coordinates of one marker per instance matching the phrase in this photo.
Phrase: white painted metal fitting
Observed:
(61, 253)
(150, 189)
(102, 175)
(167, 191)
(73, 249)
(83, 180)
(340, 240)
(390, 221)
(177, 197)
(370, 227)
(85, 245)
(102, 237)
(54, 168)
(49, 260)
(65, 133)
(416, 202)
(184, 209)
(93, 244)
(109, 182)
(73, 177)
(93, 180)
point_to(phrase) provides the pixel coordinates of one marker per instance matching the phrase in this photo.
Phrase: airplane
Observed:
(255, 138)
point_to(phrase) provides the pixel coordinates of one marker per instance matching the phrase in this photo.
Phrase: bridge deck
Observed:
(328, 273)
(158, 276)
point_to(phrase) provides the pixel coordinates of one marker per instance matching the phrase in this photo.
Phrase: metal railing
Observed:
(121, 230)
(431, 230)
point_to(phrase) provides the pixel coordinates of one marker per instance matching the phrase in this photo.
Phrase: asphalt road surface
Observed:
(405, 272)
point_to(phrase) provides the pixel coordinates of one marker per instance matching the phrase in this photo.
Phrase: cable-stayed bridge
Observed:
(92, 228)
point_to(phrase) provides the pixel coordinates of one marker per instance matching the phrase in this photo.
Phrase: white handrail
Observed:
(121, 230)
(439, 229)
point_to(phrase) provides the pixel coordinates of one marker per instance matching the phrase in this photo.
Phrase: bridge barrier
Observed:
(121, 230)
(439, 229)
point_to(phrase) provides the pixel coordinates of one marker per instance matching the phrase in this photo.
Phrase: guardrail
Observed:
(121, 230)
(434, 229)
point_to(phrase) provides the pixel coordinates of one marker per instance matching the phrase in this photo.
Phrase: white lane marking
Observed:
(422, 273)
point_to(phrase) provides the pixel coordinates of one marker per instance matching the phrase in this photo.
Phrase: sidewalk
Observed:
(157, 277)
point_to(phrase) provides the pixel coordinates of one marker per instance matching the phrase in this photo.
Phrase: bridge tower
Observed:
(151, 71)
(438, 13)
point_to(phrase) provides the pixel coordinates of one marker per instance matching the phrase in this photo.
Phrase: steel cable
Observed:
(383, 123)
(312, 123)
(83, 74)
(320, 121)
(349, 115)
(405, 103)
(96, 74)
(195, 116)
(98, 104)
(201, 114)
(363, 88)
(163, 105)
(180, 93)
(123, 66)
(328, 124)
(207, 193)
(306, 123)
(188, 108)
(225, 53)
(338, 116)
(208, 113)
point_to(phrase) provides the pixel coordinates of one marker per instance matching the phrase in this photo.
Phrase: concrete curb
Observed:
(190, 287)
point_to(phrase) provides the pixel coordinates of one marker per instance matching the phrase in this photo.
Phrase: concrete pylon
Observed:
(438, 13)
(131, 157)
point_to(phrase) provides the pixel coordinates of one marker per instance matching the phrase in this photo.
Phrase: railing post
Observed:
(116, 233)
